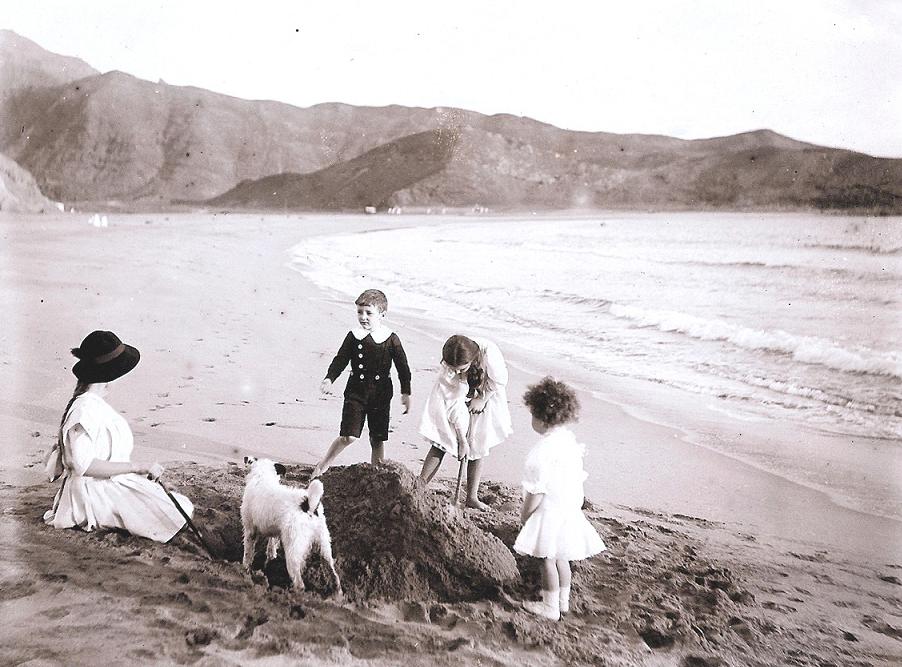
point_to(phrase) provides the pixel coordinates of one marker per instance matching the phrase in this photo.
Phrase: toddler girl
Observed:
(554, 527)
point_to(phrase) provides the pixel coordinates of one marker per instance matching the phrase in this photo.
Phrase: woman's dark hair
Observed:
(552, 402)
(459, 350)
(80, 388)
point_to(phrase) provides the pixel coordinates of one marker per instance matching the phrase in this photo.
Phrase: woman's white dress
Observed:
(558, 528)
(493, 425)
(445, 407)
(129, 502)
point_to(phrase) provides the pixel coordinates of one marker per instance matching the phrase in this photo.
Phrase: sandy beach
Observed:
(712, 559)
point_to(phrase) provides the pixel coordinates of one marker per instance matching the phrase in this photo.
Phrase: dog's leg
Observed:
(250, 543)
(325, 547)
(272, 548)
(297, 547)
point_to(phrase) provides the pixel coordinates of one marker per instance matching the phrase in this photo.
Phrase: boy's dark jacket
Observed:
(371, 365)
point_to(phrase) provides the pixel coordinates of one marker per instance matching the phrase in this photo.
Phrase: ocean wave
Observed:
(804, 349)
(868, 248)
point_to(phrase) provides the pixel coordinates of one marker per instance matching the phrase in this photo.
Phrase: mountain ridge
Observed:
(115, 138)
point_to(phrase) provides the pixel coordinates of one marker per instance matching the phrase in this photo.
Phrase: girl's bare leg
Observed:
(550, 578)
(474, 476)
(431, 464)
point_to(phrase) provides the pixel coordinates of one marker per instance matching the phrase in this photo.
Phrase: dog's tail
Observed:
(314, 497)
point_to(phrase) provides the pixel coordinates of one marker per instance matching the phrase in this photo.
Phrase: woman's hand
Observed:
(155, 471)
(405, 401)
(152, 471)
(326, 386)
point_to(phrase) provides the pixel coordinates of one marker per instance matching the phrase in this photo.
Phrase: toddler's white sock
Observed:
(552, 600)
(565, 599)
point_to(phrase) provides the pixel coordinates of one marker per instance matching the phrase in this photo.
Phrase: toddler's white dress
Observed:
(129, 502)
(558, 528)
(445, 406)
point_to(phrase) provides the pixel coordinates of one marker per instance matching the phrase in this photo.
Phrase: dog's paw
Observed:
(258, 579)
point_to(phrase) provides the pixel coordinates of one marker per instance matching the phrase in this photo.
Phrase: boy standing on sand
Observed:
(370, 350)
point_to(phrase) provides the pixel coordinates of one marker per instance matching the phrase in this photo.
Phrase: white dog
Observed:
(282, 513)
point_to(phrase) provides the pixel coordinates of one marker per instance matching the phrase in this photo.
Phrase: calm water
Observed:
(790, 315)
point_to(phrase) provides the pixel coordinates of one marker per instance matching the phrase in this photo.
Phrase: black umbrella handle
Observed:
(187, 520)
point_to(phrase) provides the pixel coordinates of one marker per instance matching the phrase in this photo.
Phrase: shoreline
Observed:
(230, 397)
(840, 522)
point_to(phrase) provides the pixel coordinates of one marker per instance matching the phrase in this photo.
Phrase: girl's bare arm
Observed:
(530, 504)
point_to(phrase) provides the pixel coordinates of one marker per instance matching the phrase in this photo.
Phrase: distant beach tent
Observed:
(369, 209)
(98, 220)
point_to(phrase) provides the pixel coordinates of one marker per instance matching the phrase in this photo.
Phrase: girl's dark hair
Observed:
(552, 402)
(460, 350)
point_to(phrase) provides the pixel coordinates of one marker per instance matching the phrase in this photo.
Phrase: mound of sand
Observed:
(395, 541)
(392, 540)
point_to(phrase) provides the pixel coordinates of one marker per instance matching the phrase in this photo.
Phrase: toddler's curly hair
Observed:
(552, 402)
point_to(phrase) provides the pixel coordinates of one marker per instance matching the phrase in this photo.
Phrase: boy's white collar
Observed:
(380, 334)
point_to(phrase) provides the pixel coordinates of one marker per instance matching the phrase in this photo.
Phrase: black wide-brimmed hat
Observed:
(103, 357)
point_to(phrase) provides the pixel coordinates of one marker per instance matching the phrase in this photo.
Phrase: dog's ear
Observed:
(280, 469)
(248, 460)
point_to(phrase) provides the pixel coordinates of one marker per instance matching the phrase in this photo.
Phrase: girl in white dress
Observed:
(445, 417)
(101, 487)
(489, 421)
(554, 526)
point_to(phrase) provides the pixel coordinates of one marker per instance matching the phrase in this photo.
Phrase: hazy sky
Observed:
(825, 71)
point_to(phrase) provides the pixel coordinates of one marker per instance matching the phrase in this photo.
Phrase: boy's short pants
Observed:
(353, 414)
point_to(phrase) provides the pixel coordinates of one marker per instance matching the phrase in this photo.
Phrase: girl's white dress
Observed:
(493, 425)
(445, 406)
(129, 502)
(558, 528)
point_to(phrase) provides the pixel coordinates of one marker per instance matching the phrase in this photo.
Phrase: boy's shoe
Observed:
(543, 610)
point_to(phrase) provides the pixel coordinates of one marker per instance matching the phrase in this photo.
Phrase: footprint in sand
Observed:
(881, 626)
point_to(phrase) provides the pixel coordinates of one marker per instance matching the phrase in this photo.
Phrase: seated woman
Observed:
(101, 487)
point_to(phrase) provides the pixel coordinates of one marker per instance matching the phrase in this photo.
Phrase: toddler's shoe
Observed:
(542, 609)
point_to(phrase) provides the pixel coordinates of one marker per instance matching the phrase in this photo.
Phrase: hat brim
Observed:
(89, 372)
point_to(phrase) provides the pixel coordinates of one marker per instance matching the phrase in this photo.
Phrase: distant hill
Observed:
(18, 191)
(25, 64)
(472, 166)
(115, 138)
(372, 178)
